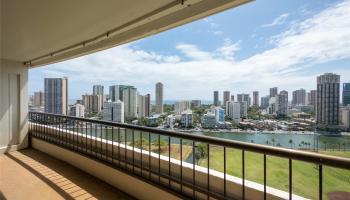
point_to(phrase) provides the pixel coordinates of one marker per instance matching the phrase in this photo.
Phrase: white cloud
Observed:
(320, 39)
(278, 21)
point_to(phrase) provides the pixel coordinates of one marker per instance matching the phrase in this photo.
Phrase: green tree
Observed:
(291, 143)
(201, 152)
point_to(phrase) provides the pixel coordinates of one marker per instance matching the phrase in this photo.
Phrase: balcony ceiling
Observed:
(48, 31)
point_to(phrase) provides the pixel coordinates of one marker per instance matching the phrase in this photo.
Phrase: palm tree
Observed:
(273, 141)
(267, 142)
(291, 143)
(252, 141)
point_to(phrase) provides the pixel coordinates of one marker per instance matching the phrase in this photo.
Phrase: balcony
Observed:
(31, 174)
(168, 167)
(58, 157)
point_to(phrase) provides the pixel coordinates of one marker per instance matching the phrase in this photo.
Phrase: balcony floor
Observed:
(31, 174)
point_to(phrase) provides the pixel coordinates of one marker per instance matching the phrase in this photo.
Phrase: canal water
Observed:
(287, 140)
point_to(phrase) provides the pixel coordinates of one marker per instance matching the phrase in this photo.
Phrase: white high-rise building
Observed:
(141, 106)
(187, 118)
(56, 95)
(78, 110)
(234, 110)
(113, 111)
(159, 98)
(181, 106)
(130, 101)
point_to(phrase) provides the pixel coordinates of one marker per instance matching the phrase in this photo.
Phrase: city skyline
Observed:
(227, 60)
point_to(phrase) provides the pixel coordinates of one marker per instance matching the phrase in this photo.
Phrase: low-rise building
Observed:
(77, 110)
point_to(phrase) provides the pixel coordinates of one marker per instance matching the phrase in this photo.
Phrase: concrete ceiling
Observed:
(39, 32)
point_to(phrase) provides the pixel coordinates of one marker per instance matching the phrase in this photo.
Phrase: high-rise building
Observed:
(93, 103)
(181, 106)
(116, 92)
(159, 97)
(39, 99)
(345, 116)
(264, 102)
(234, 111)
(97, 90)
(113, 111)
(219, 114)
(77, 110)
(216, 98)
(244, 109)
(130, 101)
(346, 94)
(232, 97)
(282, 103)
(299, 97)
(272, 108)
(141, 106)
(148, 107)
(196, 103)
(256, 98)
(244, 98)
(273, 91)
(328, 90)
(226, 97)
(56, 95)
(312, 98)
(187, 118)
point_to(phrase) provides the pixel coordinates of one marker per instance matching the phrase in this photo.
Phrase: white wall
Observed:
(13, 105)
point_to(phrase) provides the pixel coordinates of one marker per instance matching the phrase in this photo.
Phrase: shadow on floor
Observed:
(69, 182)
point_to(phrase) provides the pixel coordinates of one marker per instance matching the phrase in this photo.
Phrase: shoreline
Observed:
(280, 132)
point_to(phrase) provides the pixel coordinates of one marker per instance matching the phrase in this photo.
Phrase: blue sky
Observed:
(256, 46)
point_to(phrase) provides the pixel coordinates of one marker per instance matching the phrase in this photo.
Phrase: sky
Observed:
(253, 47)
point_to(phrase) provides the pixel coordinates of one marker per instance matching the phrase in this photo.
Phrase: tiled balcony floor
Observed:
(30, 174)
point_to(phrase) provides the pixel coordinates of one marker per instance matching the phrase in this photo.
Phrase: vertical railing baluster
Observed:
(125, 148)
(169, 164)
(133, 151)
(194, 168)
(290, 179)
(225, 192)
(243, 175)
(101, 132)
(159, 158)
(208, 172)
(112, 130)
(106, 141)
(320, 182)
(264, 176)
(119, 147)
(86, 138)
(149, 155)
(141, 153)
(181, 184)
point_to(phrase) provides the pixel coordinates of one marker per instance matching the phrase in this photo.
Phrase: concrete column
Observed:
(13, 106)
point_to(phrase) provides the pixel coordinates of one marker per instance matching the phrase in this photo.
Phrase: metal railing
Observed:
(148, 153)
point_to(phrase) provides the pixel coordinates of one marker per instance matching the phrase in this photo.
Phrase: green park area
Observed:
(304, 175)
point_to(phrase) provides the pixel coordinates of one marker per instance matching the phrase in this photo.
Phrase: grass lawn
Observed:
(305, 175)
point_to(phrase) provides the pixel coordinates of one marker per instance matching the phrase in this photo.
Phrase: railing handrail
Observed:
(312, 157)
